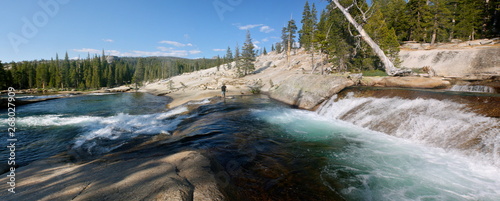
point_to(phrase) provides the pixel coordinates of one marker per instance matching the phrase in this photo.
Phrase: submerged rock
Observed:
(307, 91)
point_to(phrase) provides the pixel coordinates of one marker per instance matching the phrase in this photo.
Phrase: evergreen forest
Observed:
(96, 71)
(388, 22)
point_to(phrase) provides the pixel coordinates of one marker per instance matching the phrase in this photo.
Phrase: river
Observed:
(352, 148)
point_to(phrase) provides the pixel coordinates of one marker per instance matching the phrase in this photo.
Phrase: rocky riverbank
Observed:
(293, 81)
(145, 172)
(127, 175)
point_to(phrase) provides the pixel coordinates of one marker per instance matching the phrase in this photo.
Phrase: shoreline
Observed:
(57, 95)
(138, 163)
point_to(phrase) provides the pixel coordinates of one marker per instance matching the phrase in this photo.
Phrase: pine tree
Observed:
(110, 76)
(421, 22)
(58, 81)
(96, 73)
(308, 21)
(441, 21)
(264, 52)
(279, 48)
(229, 57)
(65, 67)
(103, 69)
(492, 19)
(42, 76)
(344, 39)
(237, 60)
(248, 55)
(73, 75)
(469, 19)
(4, 77)
(139, 73)
(396, 16)
(334, 38)
(288, 35)
(380, 32)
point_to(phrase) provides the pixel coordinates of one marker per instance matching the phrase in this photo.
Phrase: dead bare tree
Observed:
(390, 69)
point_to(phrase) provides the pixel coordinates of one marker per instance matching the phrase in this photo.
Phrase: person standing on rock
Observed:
(223, 90)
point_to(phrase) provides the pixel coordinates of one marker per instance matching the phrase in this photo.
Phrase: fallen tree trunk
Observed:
(389, 66)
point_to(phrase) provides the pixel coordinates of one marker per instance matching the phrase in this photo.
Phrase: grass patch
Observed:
(374, 73)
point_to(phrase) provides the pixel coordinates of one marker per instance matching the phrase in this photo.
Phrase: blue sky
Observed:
(38, 29)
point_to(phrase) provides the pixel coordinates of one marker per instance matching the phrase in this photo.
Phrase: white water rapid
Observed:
(438, 123)
(473, 88)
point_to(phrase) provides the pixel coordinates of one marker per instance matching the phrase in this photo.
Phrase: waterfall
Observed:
(439, 123)
(473, 88)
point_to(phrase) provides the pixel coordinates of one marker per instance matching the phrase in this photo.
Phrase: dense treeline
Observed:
(433, 21)
(389, 23)
(95, 72)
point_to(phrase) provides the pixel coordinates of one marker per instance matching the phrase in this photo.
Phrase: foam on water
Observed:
(128, 126)
(202, 102)
(41, 97)
(54, 120)
(100, 94)
(439, 123)
(473, 88)
(120, 126)
(370, 165)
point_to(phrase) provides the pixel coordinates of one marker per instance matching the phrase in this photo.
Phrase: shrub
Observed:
(374, 73)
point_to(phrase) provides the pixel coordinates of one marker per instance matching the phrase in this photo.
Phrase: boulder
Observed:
(356, 78)
(414, 82)
(118, 89)
(308, 91)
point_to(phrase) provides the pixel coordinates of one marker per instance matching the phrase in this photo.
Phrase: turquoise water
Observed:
(368, 165)
(262, 149)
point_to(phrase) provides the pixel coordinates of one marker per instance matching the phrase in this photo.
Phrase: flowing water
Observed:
(263, 150)
(473, 88)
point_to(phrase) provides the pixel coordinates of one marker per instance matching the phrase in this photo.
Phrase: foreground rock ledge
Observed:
(308, 91)
(180, 176)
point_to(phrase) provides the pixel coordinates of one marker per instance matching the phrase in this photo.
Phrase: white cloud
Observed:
(108, 40)
(266, 29)
(263, 28)
(136, 53)
(174, 53)
(174, 43)
(265, 40)
(219, 50)
(248, 26)
(194, 51)
(165, 49)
